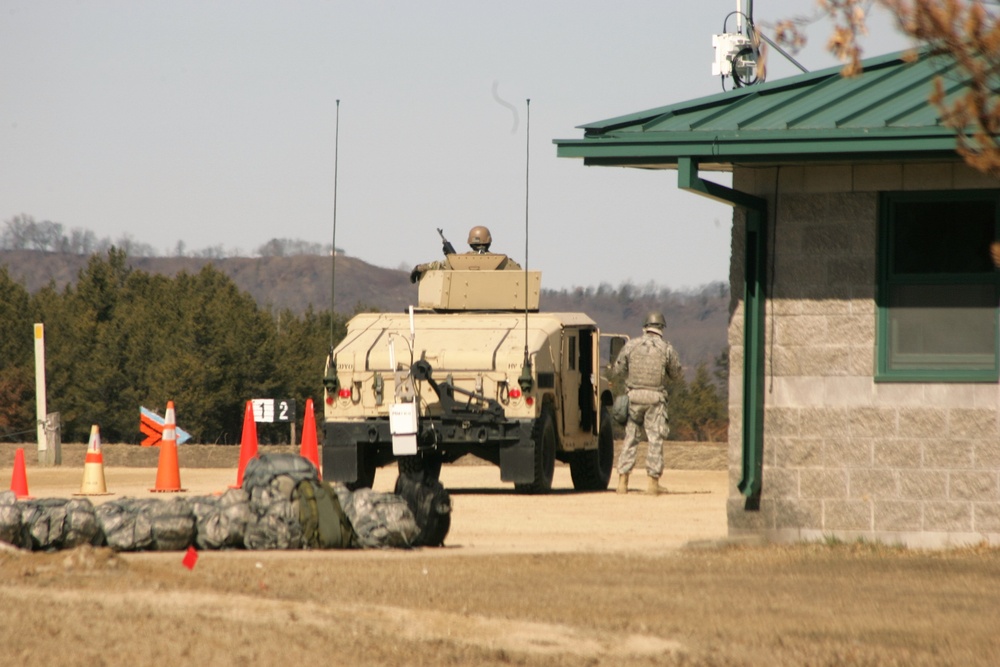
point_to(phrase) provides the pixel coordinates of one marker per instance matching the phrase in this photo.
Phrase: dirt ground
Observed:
(562, 579)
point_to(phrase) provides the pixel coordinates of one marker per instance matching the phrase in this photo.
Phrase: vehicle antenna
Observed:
(333, 248)
(525, 381)
(330, 380)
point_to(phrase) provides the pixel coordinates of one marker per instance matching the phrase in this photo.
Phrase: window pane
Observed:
(942, 237)
(942, 327)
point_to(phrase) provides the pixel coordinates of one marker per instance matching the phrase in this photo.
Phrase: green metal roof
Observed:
(883, 113)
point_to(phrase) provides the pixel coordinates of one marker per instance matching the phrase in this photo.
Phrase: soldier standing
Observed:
(648, 363)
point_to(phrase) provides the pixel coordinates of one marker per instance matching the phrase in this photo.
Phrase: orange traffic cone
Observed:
(19, 479)
(168, 472)
(93, 467)
(310, 447)
(248, 444)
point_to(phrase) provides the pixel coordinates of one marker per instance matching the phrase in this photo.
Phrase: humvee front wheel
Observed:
(591, 468)
(543, 437)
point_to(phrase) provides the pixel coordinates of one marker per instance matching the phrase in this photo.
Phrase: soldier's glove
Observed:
(415, 274)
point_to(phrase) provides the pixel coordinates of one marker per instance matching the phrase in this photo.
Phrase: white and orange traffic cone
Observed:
(93, 483)
(168, 471)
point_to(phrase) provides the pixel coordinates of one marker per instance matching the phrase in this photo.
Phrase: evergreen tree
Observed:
(84, 365)
(302, 345)
(17, 402)
(220, 354)
(697, 411)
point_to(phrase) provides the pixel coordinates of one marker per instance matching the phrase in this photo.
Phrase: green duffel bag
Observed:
(324, 523)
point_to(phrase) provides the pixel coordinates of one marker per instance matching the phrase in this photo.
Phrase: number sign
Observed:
(271, 410)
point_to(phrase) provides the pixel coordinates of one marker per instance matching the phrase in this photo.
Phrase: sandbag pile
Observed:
(282, 505)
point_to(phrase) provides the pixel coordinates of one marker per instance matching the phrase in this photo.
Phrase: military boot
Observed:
(654, 486)
(622, 484)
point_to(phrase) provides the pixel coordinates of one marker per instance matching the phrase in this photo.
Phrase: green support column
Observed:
(754, 297)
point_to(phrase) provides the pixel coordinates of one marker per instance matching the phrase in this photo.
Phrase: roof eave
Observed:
(779, 147)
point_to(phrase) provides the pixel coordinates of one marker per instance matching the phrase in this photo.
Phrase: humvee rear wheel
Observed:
(426, 465)
(543, 436)
(591, 469)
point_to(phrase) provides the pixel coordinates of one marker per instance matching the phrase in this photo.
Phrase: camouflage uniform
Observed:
(649, 362)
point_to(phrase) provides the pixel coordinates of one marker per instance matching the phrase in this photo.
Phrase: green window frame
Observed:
(937, 296)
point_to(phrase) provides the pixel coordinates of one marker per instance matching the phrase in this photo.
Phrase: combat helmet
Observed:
(654, 319)
(480, 239)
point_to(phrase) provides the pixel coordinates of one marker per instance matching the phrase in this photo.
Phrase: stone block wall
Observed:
(844, 456)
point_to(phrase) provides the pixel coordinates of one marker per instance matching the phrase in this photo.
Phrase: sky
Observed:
(217, 124)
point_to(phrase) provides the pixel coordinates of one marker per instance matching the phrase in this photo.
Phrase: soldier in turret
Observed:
(648, 364)
(479, 242)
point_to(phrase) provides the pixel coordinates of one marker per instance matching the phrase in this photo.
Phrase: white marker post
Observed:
(43, 443)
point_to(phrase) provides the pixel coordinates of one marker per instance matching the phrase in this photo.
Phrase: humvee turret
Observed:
(476, 369)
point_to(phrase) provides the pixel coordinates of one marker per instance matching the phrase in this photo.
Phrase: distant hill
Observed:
(696, 320)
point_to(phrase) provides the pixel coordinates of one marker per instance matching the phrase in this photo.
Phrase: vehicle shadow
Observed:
(469, 491)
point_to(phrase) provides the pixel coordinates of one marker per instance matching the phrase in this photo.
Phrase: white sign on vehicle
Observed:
(403, 427)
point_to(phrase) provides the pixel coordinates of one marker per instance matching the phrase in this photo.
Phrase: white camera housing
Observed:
(728, 47)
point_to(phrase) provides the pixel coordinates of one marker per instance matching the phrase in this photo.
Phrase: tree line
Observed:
(23, 232)
(120, 338)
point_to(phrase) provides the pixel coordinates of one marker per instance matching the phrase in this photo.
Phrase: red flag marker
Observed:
(190, 558)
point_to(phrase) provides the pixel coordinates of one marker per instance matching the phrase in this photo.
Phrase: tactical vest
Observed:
(646, 363)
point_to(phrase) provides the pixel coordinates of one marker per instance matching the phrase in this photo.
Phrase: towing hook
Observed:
(421, 370)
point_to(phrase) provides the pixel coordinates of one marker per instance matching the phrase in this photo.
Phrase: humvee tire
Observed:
(591, 468)
(543, 436)
(425, 466)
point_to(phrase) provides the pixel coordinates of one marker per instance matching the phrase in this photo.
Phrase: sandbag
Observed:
(10, 519)
(221, 521)
(269, 482)
(431, 507)
(273, 522)
(380, 520)
(261, 470)
(131, 524)
(48, 524)
(277, 527)
(81, 524)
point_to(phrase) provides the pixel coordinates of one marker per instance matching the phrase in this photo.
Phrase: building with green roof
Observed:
(864, 366)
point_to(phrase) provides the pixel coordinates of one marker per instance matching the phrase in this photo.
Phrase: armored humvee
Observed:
(476, 369)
